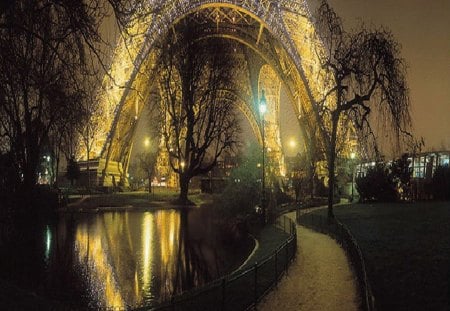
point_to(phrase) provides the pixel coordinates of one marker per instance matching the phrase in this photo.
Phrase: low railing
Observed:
(243, 289)
(343, 236)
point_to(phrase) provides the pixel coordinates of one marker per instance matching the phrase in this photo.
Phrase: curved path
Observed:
(319, 279)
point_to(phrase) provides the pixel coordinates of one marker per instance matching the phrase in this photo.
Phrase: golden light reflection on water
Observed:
(102, 279)
(129, 259)
(147, 243)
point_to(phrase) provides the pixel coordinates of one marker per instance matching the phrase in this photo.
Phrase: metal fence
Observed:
(243, 289)
(343, 236)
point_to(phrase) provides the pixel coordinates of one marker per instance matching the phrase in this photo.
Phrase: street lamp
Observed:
(147, 142)
(262, 111)
(292, 143)
(352, 156)
(147, 145)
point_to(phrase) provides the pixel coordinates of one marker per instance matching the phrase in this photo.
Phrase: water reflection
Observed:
(95, 259)
(48, 243)
(117, 259)
(129, 259)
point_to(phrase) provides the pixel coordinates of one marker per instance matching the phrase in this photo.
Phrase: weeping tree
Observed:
(366, 82)
(199, 120)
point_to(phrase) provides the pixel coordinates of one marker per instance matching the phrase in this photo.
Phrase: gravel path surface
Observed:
(319, 279)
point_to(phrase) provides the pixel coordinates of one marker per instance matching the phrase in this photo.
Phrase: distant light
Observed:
(262, 108)
(262, 104)
(147, 142)
(292, 143)
(352, 155)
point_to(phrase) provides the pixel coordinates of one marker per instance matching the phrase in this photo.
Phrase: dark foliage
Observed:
(73, 170)
(8, 177)
(441, 183)
(280, 194)
(378, 185)
(402, 176)
(243, 190)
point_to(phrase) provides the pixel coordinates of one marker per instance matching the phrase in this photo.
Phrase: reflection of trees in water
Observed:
(192, 267)
(66, 282)
(120, 259)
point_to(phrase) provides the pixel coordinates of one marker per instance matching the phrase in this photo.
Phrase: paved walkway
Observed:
(319, 279)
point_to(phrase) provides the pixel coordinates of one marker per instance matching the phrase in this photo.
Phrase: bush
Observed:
(401, 173)
(280, 192)
(239, 197)
(73, 170)
(243, 190)
(377, 185)
(440, 184)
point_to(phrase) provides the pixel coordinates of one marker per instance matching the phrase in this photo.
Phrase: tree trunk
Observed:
(87, 171)
(184, 188)
(56, 170)
(331, 166)
(149, 182)
(29, 171)
(29, 178)
(312, 172)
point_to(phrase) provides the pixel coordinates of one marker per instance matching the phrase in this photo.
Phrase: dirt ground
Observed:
(319, 279)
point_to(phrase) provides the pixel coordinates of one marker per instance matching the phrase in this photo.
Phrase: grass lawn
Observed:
(158, 197)
(270, 238)
(407, 250)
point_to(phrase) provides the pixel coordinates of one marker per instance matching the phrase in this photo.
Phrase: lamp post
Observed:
(262, 111)
(352, 157)
(147, 146)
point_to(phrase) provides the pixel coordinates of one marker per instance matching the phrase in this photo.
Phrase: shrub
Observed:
(243, 190)
(73, 170)
(377, 185)
(440, 184)
(401, 174)
(280, 192)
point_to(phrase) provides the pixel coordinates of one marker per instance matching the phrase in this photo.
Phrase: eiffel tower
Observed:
(278, 47)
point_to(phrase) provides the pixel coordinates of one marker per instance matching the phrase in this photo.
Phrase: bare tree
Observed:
(45, 46)
(367, 75)
(199, 122)
(90, 121)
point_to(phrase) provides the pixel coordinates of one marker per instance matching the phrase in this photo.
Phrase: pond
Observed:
(121, 259)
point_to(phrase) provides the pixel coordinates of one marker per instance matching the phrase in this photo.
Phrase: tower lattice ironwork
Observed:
(280, 35)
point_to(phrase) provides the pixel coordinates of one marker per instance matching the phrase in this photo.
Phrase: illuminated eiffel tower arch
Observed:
(279, 32)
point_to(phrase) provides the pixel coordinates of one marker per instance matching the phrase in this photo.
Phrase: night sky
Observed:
(423, 30)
